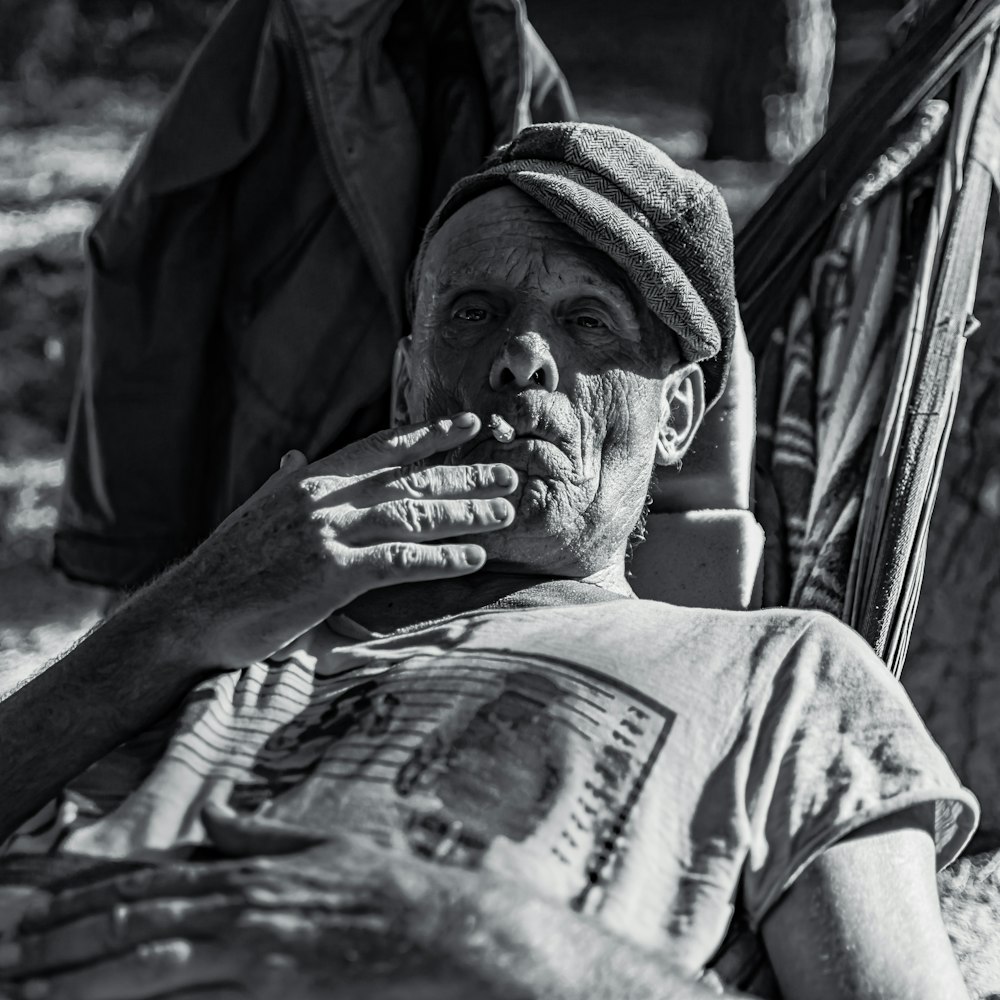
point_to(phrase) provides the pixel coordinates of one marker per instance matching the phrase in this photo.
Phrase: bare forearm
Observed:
(272, 570)
(115, 682)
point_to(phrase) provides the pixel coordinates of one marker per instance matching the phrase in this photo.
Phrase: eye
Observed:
(589, 322)
(472, 314)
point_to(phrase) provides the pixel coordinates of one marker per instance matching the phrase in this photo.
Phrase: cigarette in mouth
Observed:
(500, 429)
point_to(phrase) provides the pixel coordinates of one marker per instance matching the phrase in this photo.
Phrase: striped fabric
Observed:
(857, 386)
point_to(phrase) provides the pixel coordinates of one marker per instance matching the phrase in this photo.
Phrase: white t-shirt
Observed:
(648, 764)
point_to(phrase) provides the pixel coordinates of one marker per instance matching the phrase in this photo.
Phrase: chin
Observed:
(544, 538)
(539, 502)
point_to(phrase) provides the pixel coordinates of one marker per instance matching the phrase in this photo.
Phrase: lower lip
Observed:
(525, 442)
(520, 443)
(532, 455)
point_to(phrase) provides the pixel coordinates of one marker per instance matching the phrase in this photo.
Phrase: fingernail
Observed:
(503, 475)
(10, 954)
(473, 555)
(465, 420)
(284, 459)
(499, 509)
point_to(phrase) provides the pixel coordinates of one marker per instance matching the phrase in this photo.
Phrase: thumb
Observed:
(292, 460)
(245, 836)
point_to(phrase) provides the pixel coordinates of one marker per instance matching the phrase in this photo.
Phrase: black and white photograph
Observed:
(499, 499)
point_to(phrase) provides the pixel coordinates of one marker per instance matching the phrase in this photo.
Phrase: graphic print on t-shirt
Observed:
(471, 759)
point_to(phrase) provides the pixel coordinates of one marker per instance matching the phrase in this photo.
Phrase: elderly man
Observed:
(416, 690)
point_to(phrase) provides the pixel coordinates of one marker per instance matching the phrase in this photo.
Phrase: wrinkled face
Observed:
(516, 315)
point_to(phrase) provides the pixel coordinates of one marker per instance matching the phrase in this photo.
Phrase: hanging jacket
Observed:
(246, 279)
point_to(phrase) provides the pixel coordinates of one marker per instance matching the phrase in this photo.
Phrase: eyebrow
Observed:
(613, 274)
(607, 282)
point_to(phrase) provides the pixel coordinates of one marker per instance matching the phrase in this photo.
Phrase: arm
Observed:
(312, 539)
(335, 921)
(863, 920)
(340, 921)
(115, 682)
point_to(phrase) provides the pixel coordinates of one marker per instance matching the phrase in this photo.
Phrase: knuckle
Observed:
(310, 489)
(401, 557)
(136, 885)
(323, 530)
(162, 957)
(388, 438)
(243, 881)
(305, 488)
(395, 438)
(473, 477)
(415, 515)
(447, 557)
(418, 482)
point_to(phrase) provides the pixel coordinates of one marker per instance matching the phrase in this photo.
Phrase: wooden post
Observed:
(953, 667)
(770, 83)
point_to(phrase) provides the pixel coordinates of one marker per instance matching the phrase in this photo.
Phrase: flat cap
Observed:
(667, 227)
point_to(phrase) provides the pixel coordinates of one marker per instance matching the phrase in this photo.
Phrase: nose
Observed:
(525, 361)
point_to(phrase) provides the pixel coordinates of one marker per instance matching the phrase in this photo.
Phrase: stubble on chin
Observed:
(545, 535)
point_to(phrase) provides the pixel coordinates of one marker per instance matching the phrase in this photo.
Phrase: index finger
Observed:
(180, 880)
(400, 446)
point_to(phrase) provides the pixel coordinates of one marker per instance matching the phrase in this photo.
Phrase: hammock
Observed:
(856, 281)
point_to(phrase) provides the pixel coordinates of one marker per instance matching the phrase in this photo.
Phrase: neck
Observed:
(389, 608)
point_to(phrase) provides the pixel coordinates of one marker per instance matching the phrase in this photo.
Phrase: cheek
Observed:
(438, 376)
(619, 413)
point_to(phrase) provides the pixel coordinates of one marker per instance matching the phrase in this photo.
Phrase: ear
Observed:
(682, 409)
(399, 391)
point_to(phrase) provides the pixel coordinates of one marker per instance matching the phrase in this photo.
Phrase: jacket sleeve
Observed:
(139, 430)
(551, 98)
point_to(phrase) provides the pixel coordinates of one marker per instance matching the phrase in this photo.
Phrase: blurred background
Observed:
(736, 88)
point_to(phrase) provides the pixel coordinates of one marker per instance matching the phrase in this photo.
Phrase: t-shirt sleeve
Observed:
(837, 744)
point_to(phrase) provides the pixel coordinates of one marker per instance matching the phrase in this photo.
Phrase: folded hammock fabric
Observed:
(858, 323)
(666, 227)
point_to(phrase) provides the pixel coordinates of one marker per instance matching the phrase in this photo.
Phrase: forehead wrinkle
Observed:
(523, 267)
(507, 211)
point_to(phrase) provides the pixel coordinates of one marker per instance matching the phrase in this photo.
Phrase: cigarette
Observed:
(500, 429)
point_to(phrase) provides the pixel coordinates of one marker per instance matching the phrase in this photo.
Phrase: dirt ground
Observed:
(57, 164)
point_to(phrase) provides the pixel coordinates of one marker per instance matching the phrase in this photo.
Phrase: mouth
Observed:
(505, 432)
(523, 443)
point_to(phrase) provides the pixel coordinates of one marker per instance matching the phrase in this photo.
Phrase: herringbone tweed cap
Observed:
(666, 227)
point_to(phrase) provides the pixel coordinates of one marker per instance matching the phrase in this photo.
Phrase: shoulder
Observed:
(780, 623)
(784, 663)
(836, 745)
(816, 667)
(831, 660)
(768, 639)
